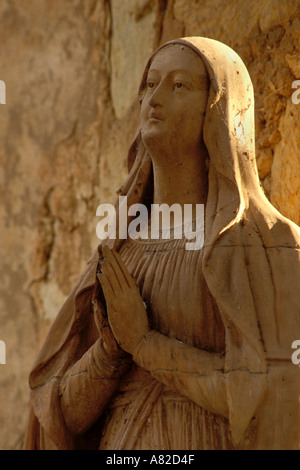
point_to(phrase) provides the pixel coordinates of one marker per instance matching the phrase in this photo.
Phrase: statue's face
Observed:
(174, 103)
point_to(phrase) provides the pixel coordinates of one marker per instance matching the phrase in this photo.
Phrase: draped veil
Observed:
(250, 260)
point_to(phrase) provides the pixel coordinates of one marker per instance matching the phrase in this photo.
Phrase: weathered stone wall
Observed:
(72, 68)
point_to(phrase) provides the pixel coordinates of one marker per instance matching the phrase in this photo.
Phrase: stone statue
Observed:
(159, 347)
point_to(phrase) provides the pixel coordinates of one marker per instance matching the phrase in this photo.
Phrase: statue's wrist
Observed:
(145, 339)
(110, 360)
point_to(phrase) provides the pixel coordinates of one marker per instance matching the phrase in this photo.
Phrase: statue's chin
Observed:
(153, 138)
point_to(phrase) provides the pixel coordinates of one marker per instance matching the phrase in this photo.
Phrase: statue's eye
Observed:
(150, 84)
(178, 85)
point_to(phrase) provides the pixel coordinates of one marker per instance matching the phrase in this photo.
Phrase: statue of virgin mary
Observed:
(159, 347)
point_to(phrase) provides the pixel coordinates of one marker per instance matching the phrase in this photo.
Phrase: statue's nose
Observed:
(156, 98)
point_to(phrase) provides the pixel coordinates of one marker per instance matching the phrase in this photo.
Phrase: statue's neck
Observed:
(183, 181)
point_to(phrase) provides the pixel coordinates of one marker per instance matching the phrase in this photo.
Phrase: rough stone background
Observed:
(72, 68)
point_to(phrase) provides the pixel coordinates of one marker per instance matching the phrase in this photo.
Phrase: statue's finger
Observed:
(107, 286)
(115, 268)
(129, 279)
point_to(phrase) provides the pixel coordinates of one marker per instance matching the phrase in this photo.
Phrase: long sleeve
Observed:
(194, 373)
(88, 385)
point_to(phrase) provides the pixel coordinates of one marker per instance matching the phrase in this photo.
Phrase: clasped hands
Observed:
(126, 312)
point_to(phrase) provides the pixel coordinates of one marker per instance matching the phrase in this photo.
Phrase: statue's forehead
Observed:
(177, 55)
(175, 49)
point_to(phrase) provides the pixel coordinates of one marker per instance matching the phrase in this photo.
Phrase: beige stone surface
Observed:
(285, 174)
(132, 21)
(71, 69)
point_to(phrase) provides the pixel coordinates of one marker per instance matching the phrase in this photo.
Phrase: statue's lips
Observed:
(155, 117)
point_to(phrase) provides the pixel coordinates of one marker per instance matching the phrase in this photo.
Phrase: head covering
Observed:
(250, 258)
